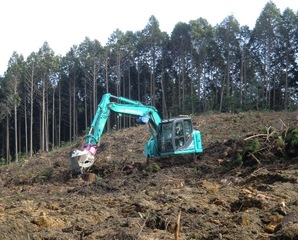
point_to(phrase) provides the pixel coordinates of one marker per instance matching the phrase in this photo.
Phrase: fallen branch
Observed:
(177, 226)
(257, 194)
(267, 135)
(257, 135)
(144, 224)
(255, 158)
(287, 127)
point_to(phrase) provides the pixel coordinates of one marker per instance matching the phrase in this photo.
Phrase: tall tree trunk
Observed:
(204, 91)
(74, 108)
(90, 110)
(163, 92)
(274, 94)
(139, 80)
(179, 87)
(129, 92)
(241, 80)
(268, 76)
(221, 94)
(123, 95)
(86, 104)
(152, 79)
(286, 98)
(70, 111)
(19, 132)
(199, 92)
(183, 88)
(16, 125)
(118, 84)
(59, 115)
(53, 119)
(107, 89)
(228, 81)
(46, 127)
(43, 112)
(94, 90)
(31, 113)
(26, 127)
(7, 140)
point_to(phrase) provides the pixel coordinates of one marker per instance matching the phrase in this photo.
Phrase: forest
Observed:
(48, 100)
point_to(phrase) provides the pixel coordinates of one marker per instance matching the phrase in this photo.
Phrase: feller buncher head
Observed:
(81, 159)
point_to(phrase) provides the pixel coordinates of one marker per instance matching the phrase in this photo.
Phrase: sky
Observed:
(26, 24)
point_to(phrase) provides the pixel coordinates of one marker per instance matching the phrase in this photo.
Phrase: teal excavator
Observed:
(170, 137)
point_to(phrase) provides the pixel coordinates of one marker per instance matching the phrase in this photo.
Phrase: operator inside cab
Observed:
(179, 139)
(179, 131)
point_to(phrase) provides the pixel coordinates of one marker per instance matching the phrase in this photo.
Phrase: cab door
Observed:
(165, 137)
(183, 131)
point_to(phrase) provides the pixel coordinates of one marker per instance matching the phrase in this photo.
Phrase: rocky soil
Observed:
(244, 186)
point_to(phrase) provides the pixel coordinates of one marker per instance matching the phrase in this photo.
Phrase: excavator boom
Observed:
(81, 159)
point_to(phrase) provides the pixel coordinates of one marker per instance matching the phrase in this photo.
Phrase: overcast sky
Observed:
(27, 24)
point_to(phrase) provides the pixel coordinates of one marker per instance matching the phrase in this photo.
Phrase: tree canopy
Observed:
(47, 99)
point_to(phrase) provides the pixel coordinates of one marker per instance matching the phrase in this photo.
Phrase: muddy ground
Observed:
(235, 190)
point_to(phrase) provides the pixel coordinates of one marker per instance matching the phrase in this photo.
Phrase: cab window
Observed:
(179, 135)
(187, 128)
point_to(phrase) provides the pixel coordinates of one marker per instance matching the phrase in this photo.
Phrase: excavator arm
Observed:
(81, 159)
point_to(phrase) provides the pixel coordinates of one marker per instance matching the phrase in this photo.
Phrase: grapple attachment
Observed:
(81, 159)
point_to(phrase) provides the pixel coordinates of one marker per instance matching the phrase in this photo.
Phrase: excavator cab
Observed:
(177, 136)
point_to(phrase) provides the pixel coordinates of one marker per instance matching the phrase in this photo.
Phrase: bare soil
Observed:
(244, 186)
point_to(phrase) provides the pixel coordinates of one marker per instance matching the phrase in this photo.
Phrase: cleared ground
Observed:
(245, 186)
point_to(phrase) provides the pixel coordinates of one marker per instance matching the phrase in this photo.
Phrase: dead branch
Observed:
(255, 158)
(282, 122)
(177, 226)
(143, 225)
(257, 135)
(287, 127)
(267, 135)
(253, 154)
(254, 193)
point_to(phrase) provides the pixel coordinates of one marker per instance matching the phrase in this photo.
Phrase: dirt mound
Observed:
(244, 186)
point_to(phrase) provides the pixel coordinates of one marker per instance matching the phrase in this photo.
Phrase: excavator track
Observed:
(174, 160)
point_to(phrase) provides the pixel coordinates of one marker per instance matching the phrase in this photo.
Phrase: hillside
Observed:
(244, 186)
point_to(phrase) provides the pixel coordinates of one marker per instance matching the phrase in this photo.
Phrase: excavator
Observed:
(169, 137)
